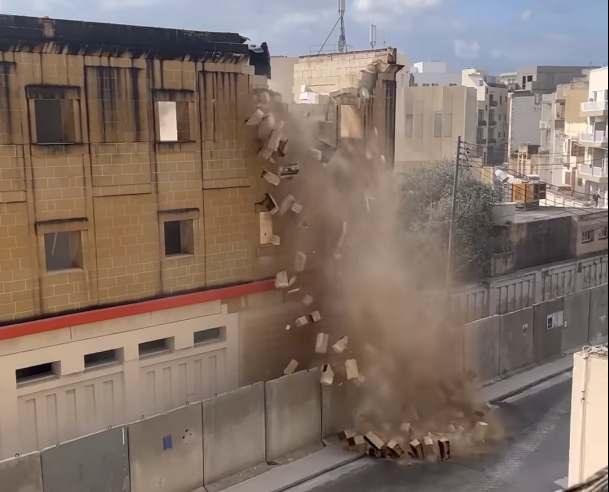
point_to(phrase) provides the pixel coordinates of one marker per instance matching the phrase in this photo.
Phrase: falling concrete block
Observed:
(269, 204)
(429, 449)
(321, 344)
(315, 316)
(288, 171)
(282, 148)
(307, 300)
(292, 281)
(480, 431)
(281, 280)
(271, 178)
(300, 261)
(374, 441)
(286, 204)
(255, 118)
(265, 128)
(275, 240)
(340, 346)
(316, 153)
(296, 208)
(291, 367)
(346, 435)
(265, 97)
(395, 449)
(288, 327)
(444, 447)
(327, 375)
(302, 321)
(351, 367)
(406, 427)
(274, 140)
(356, 441)
(416, 450)
(341, 241)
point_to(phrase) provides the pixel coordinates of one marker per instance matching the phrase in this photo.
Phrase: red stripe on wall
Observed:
(105, 314)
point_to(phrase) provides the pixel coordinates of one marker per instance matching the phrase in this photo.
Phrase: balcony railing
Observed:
(589, 106)
(544, 125)
(481, 140)
(481, 122)
(599, 137)
(492, 140)
(492, 122)
(596, 171)
(493, 102)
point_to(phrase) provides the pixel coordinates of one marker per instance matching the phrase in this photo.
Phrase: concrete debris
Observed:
(291, 367)
(361, 379)
(340, 346)
(288, 327)
(341, 241)
(265, 97)
(286, 204)
(416, 450)
(275, 240)
(288, 171)
(317, 155)
(357, 440)
(292, 281)
(327, 375)
(481, 430)
(282, 147)
(452, 429)
(346, 434)
(255, 118)
(351, 367)
(364, 93)
(302, 321)
(321, 344)
(269, 204)
(444, 447)
(429, 449)
(406, 427)
(315, 316)
(307, 300)
(281, 280)
(375, 441)
(395, 449)
(266, 126)
(271, 178)
(300, 261)
(296, 208)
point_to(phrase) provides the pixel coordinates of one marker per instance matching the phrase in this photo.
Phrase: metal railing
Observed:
(596, 137)
(594, 106)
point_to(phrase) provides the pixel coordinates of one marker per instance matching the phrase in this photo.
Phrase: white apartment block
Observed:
(432, 74)
(593, 171)
(492, 109)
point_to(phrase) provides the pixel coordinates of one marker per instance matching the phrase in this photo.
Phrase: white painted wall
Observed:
(524, 117)
(588, 442)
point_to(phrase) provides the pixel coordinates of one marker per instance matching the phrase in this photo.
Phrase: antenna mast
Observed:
(372, 36)
(342, 37)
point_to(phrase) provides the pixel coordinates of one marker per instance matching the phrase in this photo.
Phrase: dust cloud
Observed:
(367, 279)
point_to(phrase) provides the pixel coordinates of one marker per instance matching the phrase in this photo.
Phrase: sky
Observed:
(495, 35)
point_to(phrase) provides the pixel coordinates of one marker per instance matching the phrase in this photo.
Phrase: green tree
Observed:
(426, 203)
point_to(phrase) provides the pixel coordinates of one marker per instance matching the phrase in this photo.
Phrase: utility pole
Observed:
(453, 213)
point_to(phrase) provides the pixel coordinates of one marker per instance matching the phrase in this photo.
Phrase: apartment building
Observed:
(492, 108)
(544, 79)
(510, 79)
(132, 274)
(593, 170)
(433, 73)
(429, 120)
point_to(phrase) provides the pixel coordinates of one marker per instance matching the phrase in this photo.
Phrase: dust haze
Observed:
(365, 274)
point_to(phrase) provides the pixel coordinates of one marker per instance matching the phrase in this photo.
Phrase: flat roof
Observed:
(545, 213)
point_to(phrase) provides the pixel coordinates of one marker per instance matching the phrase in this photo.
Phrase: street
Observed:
(532, 458)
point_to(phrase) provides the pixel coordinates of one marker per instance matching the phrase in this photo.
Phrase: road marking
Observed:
(563, 482)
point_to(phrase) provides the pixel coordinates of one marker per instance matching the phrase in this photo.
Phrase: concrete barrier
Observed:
(598, 315)
(166, 451)
(336, 413)
(293, 414)
(95, 462)
(234, 436)
(577, 316)
(548, 327)
(482, 347)
(516, 340)
(21, 474)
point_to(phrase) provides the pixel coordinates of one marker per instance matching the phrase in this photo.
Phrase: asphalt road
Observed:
(533, 457)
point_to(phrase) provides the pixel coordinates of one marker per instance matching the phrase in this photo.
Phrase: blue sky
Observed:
(492, 34)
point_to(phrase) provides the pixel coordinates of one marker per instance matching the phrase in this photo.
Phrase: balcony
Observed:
(597, 174)
(493, 103)
(593, 108)
(559, 124)
(481, 122)
(492, 123)
(544, 125)
(492, 140)
(480, 140)
(597, 139)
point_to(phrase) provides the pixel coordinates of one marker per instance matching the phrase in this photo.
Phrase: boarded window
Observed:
(63, 250)
(54, 120)
(179, 237)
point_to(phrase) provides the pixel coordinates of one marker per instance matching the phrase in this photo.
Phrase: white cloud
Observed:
(126, 4)
(526, 15)
(466, 49)
(383, 12)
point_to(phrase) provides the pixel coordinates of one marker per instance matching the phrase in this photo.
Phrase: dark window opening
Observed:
(62, 250)
(179, 238)
(587, 236)
(154, 346)
(55, 122)
(35, 372)
(208, 335)
(99, 358)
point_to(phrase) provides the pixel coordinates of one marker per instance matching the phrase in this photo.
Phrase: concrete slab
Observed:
(21, 474)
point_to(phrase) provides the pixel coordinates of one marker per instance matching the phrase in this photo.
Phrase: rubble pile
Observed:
(314, 224)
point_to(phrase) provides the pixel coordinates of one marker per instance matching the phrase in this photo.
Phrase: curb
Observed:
(528, 386)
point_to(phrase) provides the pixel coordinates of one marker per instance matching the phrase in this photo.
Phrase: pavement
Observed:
(333, 461)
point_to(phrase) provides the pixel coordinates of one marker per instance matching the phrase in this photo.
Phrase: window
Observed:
(174, 121)
(35, 372)
(100, 358)
(54, 120)
(425, 85)
(154, 346)
(179, 237)
(587, 236)
(434, 85)
(602, 233)
(204, 336)
(580, 182)
(529, 78)
(62, 250)
(452, 85)
(408, 125)
(448, 125)
(437, 125)
(500, 99)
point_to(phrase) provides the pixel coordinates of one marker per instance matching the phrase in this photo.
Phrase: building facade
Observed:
(432, 74)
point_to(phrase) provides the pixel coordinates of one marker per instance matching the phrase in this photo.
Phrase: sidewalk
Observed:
(283, 478)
